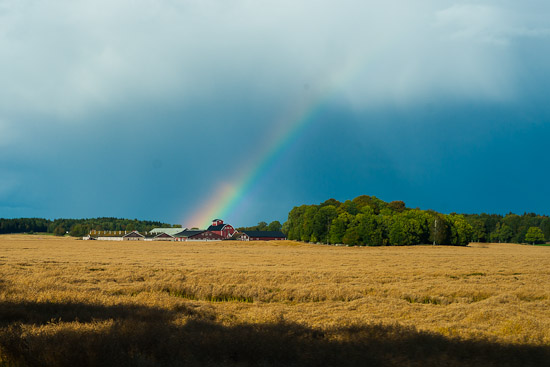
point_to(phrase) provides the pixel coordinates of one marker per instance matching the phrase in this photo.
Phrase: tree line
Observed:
(263, 226)
(510, 228)
(367, 220)
(76, 227)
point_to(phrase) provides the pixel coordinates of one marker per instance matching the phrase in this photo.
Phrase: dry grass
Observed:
(140, 302)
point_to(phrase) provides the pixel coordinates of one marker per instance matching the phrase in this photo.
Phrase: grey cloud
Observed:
(77, 76)
(66, 59)
(487, 23)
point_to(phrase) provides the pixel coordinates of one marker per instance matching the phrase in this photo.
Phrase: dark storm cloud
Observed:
(107, 87)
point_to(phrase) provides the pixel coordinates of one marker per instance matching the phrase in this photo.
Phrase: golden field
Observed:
(65, 301)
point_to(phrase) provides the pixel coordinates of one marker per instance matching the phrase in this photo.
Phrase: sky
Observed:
(183, 111)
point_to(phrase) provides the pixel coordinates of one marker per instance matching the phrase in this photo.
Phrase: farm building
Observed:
(197, 235)
(129, 236)
(224, 230)
(116, 235)
(159, 237)
(133, 236)
(216, 232)
(261, 236)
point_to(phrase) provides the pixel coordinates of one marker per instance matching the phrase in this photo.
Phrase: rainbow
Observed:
(228, 195)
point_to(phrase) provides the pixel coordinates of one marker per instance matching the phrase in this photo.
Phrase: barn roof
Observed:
(217, 228)
(96, 233)
(260, 234)
(133, 234)
(188, 233)
(170, 231)
(163, 235)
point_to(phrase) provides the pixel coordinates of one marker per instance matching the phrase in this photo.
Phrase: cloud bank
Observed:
(76, 76)
(65, 58)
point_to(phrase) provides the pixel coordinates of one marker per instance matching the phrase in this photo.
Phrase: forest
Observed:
(76, 227)
(367, 220)
(263, 226)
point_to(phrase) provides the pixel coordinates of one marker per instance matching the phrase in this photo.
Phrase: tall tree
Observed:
(321, 222)
(59, 230)
(274, 226)
(370, 229)
(505, 234)
(78, 230)
(339, 227)
(534, 235)
(461, 230)
(440, 231)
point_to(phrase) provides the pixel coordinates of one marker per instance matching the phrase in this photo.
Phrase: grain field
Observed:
(65, 302)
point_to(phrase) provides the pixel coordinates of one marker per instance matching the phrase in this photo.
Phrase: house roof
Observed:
(260, 234)
(170, 231)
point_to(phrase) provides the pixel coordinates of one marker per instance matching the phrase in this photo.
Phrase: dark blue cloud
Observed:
(441, 104)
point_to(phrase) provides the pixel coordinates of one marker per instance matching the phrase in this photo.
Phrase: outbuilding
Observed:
(163, 237)
(133, 236)
(197, 235)
(261, 235)
(108, 235)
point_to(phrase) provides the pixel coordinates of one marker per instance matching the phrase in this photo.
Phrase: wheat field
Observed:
(65, 301)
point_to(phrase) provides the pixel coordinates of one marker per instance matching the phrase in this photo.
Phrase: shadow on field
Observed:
(39, 313)
(149, 337)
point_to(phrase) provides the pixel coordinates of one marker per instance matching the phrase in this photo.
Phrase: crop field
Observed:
(67, 302)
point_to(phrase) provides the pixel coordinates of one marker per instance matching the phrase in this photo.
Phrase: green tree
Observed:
(261, 226)
(439, 229)
(59, 230)
(339, 227)
(307, 234)
(295, 223)
(321, 222)
(505, 234)
(494, 236)
(274, 226)
(335, 203)
(461, 230)
(370, 228)
(397, 206)
(351, 237)
(534, 235)
(78, 230)
(478, 228)
(349, 207)
(545, 227)
(372, 201)
(407, 228)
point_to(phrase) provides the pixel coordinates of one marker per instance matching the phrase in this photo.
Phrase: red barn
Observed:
(224, 230)
(198, 235)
